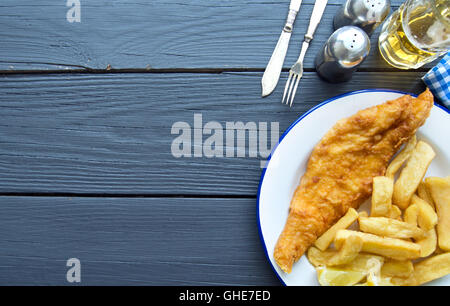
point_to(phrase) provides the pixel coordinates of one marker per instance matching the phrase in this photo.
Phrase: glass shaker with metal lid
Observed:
(341, 55)
(365, 14)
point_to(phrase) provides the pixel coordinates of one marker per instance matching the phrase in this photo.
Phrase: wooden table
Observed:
(87, 111)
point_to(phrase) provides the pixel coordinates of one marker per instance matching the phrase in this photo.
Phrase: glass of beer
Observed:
(416, 34)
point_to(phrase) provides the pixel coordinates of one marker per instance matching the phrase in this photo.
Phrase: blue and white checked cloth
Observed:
(438, 80)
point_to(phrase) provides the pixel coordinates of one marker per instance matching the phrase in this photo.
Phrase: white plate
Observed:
(288, 162)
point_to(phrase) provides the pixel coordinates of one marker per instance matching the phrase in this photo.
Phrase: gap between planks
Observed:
(123, 195)
(182, 70)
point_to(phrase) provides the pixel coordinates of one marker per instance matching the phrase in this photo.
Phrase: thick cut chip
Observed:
(389, 247)
(383, 187)
(395, 213)
(430, 269)
(362, 262)
(390, 228)
(427, 244)
(412, 174)
(411, 214)
(440, 191)
(319, 258)
(401, 157)
(425, 194)
(395, 268)
(327, 238)
(348, 252)
(363, 214)
(427, 218)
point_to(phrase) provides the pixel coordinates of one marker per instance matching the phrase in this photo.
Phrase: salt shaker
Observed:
(344, 51)
(366, 14)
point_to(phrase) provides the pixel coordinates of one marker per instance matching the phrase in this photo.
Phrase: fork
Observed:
(296, 72)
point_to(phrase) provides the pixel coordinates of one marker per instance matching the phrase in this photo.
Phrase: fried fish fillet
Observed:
(341, 168)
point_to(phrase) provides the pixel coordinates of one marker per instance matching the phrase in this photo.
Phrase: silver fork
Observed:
(296, 72)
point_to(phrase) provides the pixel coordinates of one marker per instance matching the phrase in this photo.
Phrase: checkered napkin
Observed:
(438, 80)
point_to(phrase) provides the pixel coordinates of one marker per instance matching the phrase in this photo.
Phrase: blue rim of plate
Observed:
(284, 135)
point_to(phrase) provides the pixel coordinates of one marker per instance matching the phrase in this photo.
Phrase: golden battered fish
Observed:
(341, 168)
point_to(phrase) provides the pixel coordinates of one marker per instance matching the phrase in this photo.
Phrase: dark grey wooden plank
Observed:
(155, 34)
(111, 134)
(123, 241)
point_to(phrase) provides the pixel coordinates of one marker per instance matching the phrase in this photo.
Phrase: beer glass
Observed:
(416, 34)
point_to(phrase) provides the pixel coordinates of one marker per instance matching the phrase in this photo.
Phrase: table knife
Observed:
(273, 69)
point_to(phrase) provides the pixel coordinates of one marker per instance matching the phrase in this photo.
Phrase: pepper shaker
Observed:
(344, 51)
(366, 14)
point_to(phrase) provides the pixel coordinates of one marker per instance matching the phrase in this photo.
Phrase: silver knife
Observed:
(273, 69)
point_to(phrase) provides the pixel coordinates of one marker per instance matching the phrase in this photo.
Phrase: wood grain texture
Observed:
(138, 215)
(111, 134)
(154, 241)
(158, 34)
